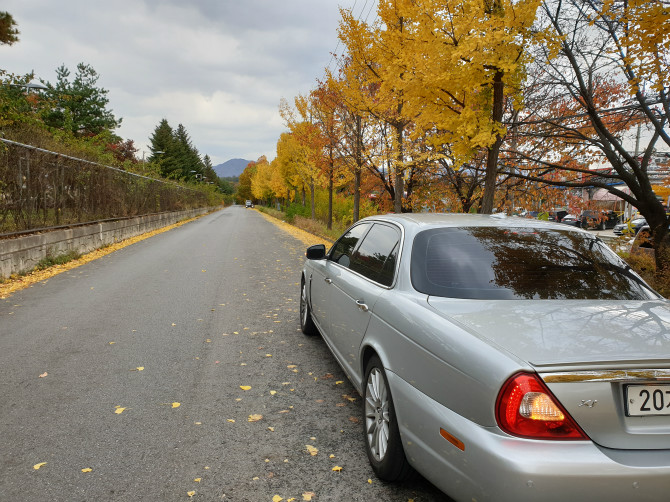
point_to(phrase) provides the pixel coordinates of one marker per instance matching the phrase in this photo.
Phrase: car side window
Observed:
(344, 247)
(376, 256)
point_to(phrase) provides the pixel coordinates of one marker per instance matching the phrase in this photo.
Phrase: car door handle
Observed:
(328, 280)
(362, 305)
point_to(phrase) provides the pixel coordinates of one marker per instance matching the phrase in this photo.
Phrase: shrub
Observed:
(50, 260)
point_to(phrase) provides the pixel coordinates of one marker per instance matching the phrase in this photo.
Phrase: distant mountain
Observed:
(231, 168)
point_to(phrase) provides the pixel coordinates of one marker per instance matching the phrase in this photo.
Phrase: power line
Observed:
(358, 18)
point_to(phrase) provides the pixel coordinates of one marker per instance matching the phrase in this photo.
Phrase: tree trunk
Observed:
(357, 194)
(357, 171)
(331, 174)
(399, 172)
(493, 151)
(311, 189)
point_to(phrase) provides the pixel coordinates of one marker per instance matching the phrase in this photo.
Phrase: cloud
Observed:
(219, 67)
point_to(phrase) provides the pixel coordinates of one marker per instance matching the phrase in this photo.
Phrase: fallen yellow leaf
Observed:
(369, 481)
(277, 498)
(308, 495)
(119, 410)
(271, 429)
(273, 392)
(339, 382)
(37, 466)
(231, 420)
(87, 469)
(44, 374)
(245, 387)
(140, 368)
(255, 418)
(312, 451)
(176, 405)
(191, 493)
(337, 468)
(197, 480)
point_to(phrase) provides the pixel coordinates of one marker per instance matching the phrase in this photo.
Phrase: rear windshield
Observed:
(520, 263)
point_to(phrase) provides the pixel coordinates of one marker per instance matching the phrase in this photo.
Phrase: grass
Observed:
(314, 227)
(50, 260)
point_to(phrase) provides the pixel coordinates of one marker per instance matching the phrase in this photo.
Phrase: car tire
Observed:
(382, 437)
(307, 325)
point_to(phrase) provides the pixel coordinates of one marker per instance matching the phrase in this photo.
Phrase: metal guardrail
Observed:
(40, 188)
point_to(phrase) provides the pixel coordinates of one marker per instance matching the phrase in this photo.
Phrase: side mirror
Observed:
(316, 252)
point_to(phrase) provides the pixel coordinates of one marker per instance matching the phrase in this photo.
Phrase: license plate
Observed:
(647, 400)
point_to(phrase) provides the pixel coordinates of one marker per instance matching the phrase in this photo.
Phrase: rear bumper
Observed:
(497, 467)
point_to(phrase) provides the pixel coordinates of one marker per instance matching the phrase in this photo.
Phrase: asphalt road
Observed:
(133, 365)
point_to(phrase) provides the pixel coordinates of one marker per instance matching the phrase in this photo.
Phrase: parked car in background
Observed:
(630, 227)
(505, 359)
(572, 220)
(600, 220)
(248, 204)
(557, 215)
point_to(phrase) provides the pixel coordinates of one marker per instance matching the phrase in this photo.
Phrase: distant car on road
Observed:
(505, 359)
(248, 204)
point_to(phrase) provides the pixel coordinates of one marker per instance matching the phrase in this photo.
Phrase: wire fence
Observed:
(41, 189)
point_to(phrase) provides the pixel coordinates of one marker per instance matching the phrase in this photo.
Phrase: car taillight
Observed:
(527, 408)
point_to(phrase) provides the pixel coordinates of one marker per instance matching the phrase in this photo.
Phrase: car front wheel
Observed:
(382, 437)
(306, 323)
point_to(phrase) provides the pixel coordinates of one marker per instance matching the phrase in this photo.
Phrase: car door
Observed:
(323, 270)
(355, 289)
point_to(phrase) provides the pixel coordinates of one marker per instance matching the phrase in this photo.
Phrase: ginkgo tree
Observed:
(468, 60)
(376, 55)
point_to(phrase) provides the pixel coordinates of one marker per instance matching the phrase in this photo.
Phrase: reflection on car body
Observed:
(504, 359)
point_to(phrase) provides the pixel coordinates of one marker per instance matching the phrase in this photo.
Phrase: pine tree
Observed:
(80, 106)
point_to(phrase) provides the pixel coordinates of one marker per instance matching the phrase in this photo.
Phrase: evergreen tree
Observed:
(163, 150)
(187, 155)
(79, 105)
(209, 171)
(8, 32)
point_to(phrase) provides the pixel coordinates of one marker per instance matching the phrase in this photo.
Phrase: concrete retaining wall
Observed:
(23, 253)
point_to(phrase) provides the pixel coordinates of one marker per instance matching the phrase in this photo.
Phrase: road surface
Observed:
(174, 369)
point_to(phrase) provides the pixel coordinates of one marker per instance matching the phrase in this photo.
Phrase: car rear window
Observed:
(520, 263)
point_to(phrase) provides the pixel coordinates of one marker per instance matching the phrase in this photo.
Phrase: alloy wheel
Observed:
(377, 414)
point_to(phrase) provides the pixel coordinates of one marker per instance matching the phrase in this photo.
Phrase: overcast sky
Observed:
(219, 67)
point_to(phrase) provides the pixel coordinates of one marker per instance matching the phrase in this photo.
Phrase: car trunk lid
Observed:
(606, 361)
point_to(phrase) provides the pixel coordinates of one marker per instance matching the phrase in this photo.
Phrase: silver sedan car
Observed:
(504, 359)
